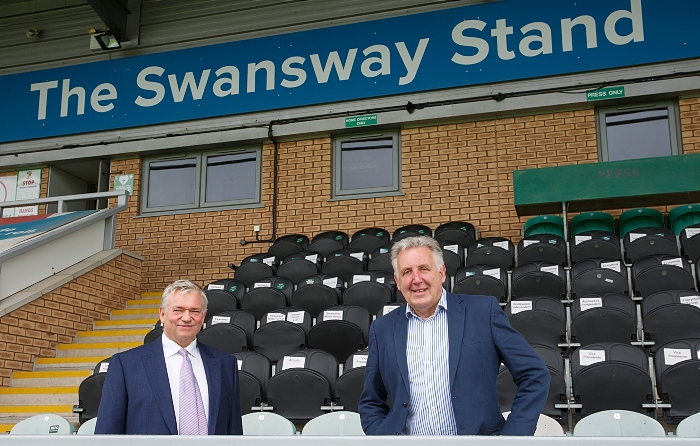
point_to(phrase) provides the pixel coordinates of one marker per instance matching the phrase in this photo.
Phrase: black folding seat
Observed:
(495, 251)
(652, 274)
(288, 244)
(220, 301)
(341, 330)
(318, 292)
(281, 331)
(102, 366)
(233, 286)
(540, 319)
(642, 242)
(453, 256)
(371, 290)
(460, 232)
(303, 385)
(542, 248)
(595, 245)
(539, 279)
(345, 263)
(255, 267)
(226, 337)
(369, 239)
(380, 260)
(554, 361)
(153, 335)
(89, 397)
(690, 242)
(599, 276)
(411, 231)
(254, 371)
(483, 280)
(606, 317)
(671, 315)
(267, 295)
(349, 385)
(329, 241)
(239, 318)
(677, 366)
(300, 265)
(610, 375)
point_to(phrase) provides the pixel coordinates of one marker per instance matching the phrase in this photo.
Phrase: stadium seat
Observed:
(670, 315)
(345, 263)
(539, 279)
(542, 248)
(607, 317)
(411, 231)
(250, 392)
(453, 256)
(267, 295)
(254, 371)
(226, 337)
(677, 376)
(546, 426)
(303, 385)
(102, 366)
(495, 251)
(267, 424)
(642, 242)
(341, 330)
(370, 239)
(618, 423)
(282, 331)
(611, 375)
(349, 385)
(88, 427)
(288, 244)
(371, 290)
(683, 216)
(689, 427)
(459, 232)
(591, 221)
(482, 280)
(640, 218)
(599, 276)
(329, 241)
(89, 396)
(540, 319)
(544, 224)
(380, 260)
(233, 286)
(45, 424)
(240, 318)
(317, 293)
(652, 274)
(153, 335)
(342, 423)
(220, 301)
(690, 243)
(300, 265)
(595, 245)
(255, 267)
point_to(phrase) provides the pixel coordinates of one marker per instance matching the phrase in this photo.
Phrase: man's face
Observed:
(183, 318)
(419, 279)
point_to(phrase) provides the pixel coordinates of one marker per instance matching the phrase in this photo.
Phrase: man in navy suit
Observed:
(437, 358)
(141, 392)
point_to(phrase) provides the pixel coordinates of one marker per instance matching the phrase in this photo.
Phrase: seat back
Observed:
(90, 395)
(228, 338)
(453, 256)
(220, 301)
(345, 263)
(370, 290)
(652, 274)
(546, 426)
(318, 292)
(539, 279)
(592, 221)
(342, 423)
(415, 230)
(460, 232)
(341, 330)
(549, 248)
(233, 286)
(690, 243)
(380, 260)
(683, 216)
(540, 319)
(370, 239)
(595, 245)
(544, 224)
(255, 267)
(640, 218)
(240, 318)
(494, 251)
(276, 338)
(153, 335)
(599, 276)
(618, 423)
(88, 427)
(288, 244)
(689, 427)
(671, 315)
(250, 392)
(482, 280)
(607, 317)
(642, 242)
(300, 265)
(329, 241)
(45, 424)
(677, 364)
(267, 424)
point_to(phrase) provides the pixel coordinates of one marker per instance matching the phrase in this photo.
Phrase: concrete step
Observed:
(125, 324)
(15, 414)
(6, 428)
(57, 378)
(138, 313)
(125, 335)
(32, 396)
(142, 303)
(68, 363)
(105, 349)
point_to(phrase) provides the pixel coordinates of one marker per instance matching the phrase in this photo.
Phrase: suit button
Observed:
(405, 404)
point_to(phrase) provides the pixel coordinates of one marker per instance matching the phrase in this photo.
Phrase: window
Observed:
(647, 131)
(366, 165)
(201, 180)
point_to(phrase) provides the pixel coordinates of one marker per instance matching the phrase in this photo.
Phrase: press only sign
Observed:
(605, 93)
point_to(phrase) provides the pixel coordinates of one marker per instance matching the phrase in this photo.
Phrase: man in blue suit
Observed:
(437, 358)
(142, 391)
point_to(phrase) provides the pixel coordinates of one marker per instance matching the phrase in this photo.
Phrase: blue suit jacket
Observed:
(136, 397)
(480, 338)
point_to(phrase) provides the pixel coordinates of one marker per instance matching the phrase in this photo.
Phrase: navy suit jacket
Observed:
(136, 397)
(480, 338)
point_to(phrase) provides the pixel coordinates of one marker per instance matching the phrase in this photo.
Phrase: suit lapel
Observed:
(400, 332)
(212, 368)
(455, 328)
(157, 374)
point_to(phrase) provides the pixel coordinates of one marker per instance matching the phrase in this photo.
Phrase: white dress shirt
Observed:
(173, 363)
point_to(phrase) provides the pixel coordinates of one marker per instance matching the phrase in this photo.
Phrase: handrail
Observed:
(122, 197)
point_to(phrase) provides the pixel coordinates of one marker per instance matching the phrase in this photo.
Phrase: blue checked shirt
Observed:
(427, 351)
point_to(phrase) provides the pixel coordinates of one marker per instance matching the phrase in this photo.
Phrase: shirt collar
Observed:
(442, 303)
(171, 348)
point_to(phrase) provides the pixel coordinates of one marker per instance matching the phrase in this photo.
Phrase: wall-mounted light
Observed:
(104, 40)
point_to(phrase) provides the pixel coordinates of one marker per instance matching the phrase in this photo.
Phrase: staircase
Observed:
(53, 385)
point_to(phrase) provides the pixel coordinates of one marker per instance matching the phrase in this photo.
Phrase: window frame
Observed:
(349, 194)
(673, 124)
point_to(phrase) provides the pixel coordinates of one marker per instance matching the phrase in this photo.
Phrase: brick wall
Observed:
(35, 329)
(690, 124)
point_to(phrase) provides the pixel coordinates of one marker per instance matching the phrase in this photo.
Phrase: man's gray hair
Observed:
(182, 287)
(416, 242)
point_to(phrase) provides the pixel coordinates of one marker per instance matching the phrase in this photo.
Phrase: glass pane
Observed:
(367, 164)
(231, 177)
(171, 183)
(643, 134)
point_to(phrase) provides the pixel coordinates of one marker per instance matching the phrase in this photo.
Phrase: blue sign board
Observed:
(492, 42)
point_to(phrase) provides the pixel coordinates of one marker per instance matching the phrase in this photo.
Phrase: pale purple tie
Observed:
(193, 420)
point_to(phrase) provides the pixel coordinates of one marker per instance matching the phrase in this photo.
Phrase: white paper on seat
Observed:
(220, 320)
(550, 269)
(215, 287)
(333, 315)
(495, 273)
(676, 355)
(380, 280)
(691, 232)
(262, 285)
(453, 248)
(590, 302)
(272, 317)
(240, 364)
(269, 261)
(614, 266)
(691, 300)
(634, 236)
(313, 258)
(502, 245)
(673, 262)
(103, 367)
(581, 238)
(360, 278)
(331, 282)
(296, 317)
(359, 361)
(589, 357)
(293, 362)
(357, 255)
(389, 308)
(517, 306)
(527, 243)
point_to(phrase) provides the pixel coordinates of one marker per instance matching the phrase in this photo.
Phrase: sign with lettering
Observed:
(361, 121)
(605, 93)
